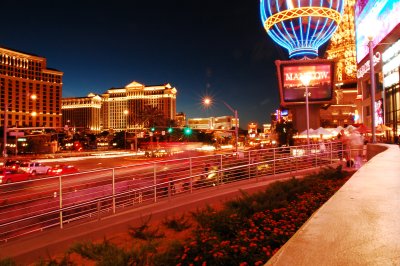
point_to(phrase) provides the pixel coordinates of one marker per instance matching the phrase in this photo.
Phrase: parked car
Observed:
(62, 169)
(34, 168)
(13, 175)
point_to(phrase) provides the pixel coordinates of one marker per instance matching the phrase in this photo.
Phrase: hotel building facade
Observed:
(119, 109)
(82, 112)
(23, 76)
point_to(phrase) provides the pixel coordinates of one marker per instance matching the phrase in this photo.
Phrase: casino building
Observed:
(82, 112)
(30, 92)
(120, 109)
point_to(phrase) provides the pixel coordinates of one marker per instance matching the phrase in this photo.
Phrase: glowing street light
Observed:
(126, 112)
(207, 101)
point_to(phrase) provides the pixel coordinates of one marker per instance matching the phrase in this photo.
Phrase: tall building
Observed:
(346, 107)
(82, 112)
(122, 107)
(22, 76)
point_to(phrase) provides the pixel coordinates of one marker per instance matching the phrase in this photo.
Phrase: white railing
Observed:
(38, 204)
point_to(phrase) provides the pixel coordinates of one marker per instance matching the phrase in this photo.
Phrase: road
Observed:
(37, 202)
(107, 182)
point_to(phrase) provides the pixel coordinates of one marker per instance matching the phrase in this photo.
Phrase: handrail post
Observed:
(113, 190)
(191, 174)
(60, 200)
(155, 182)
(220, 167)
(274, 164)
(249, 167)
(290, 159)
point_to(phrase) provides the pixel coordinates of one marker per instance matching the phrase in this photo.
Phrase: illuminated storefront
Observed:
(391, 65)
(378, 27)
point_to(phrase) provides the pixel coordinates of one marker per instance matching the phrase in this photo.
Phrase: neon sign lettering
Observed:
(365, 68)
(314, 75)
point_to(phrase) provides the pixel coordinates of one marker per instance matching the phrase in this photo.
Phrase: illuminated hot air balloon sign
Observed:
(301, 26)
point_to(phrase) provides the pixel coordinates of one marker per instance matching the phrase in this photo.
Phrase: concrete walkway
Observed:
(359, 225)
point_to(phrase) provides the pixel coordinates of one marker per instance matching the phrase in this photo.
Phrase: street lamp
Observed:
(207, 101)
(5, 129)
(305, 79)
(372, 79)
(126, 112)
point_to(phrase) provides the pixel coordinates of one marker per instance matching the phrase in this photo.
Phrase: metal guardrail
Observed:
(35, 205)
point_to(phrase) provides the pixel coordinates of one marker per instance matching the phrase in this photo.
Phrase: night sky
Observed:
(210, 47)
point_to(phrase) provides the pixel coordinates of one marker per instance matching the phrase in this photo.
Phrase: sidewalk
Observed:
(359, 225)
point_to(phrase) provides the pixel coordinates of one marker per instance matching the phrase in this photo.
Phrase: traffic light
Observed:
(187, 131)
(170, 130)
(153, 129)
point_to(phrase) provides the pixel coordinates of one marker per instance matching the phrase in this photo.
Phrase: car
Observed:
(62, 169)
(13, 175)
(34, 168)
(157, 153)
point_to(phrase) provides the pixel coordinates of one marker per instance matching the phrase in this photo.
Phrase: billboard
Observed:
(375, 18)
(292, 89)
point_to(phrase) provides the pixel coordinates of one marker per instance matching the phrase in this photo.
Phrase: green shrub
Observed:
(104, 253)
(178, 224)
(7, 262)
(144, 232)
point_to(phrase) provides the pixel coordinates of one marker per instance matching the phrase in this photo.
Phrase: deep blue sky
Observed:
(209, 47)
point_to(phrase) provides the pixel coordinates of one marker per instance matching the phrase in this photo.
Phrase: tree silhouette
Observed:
(285, 131)
(151, 116)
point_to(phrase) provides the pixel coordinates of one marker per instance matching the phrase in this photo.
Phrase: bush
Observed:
(144, 232)
(178, 224)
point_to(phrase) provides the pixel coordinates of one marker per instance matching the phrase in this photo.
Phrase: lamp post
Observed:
(305, 79)
(372, 79)
(136, 141)
(126, 112)
(207, 101)
(5, 126)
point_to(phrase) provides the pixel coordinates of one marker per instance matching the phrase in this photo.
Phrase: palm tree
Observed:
(151, 116)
